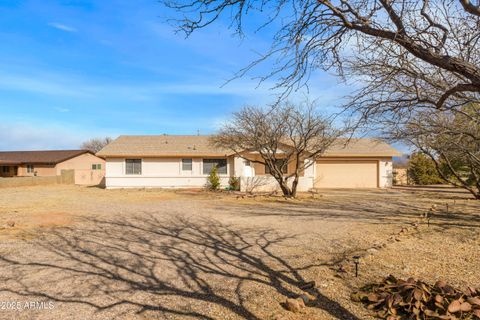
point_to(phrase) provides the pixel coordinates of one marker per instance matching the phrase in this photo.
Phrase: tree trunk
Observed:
(287, 192)
(294, 186)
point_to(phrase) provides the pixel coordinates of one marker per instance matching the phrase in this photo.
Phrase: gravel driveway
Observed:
(87, 253)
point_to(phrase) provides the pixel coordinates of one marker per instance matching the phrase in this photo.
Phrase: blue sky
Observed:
(71, 70)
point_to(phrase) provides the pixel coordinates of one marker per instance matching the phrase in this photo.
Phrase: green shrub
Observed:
(213, 180)
(234, 184)
(422, 170)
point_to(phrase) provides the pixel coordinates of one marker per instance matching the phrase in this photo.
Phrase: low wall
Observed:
(27, 181)
(89, 177)
(67, 177)
(269, 184)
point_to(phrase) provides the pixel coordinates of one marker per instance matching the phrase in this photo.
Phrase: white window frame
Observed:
(191, 165)
(220, 174)
(30, 168)
(134, 174)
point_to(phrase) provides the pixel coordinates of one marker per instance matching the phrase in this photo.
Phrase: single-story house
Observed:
(171, 161)
(89, 169)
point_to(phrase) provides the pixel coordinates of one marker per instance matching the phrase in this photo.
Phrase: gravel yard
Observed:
(88, 253)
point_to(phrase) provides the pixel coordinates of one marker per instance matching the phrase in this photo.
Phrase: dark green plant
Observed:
(213, 180)
(234, 183)
(422, 170)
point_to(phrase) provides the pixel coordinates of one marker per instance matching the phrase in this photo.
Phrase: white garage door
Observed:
(346, 174)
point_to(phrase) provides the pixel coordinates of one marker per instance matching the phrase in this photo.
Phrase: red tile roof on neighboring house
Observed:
(38, 157)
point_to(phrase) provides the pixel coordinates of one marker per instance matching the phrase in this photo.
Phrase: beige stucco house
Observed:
(170, 161)
(88, 168)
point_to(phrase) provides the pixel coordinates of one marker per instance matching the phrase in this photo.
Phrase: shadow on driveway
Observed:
(181, 268)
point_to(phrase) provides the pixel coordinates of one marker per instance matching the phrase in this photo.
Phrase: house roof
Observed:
(161, 146)
(38, 157)
(361, 147)
(174, 145)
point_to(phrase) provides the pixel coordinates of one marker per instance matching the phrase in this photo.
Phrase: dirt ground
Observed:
(70, 252)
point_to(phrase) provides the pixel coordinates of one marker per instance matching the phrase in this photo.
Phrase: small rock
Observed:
(466, 307)
(307, 285)
(372, 250)
(294, 305)
(306, 298)
(454, 306)
(11, 224)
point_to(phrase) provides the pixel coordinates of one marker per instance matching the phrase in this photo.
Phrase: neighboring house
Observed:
(89, 169)
(185, 161)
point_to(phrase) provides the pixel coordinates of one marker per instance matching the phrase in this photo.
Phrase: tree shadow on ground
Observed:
(388, 210)
(181, 268)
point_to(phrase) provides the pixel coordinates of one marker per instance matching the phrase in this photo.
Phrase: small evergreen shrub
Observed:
(422, 170)
(234, 184)
(213, 180)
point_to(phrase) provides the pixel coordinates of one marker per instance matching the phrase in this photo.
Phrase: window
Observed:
(96, 167)
(186, 164)
(278, 163)
(5, 169)
(221, 165)
(133, 166)
(30, 168)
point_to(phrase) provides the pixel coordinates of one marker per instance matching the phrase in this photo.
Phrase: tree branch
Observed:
(470, 7)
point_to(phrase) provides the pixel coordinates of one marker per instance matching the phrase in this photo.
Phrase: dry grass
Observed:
(151, 254)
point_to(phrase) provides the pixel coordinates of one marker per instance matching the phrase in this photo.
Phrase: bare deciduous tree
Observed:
(96, 144)
(283, 136)
(407, 53)
(452, 141)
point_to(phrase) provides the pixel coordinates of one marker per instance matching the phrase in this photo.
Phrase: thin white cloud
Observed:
(62, 110)
(62, 27)
(26, 135)
(42, 84)
(68, 85)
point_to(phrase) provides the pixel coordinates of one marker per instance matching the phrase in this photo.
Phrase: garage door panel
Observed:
(346, 174)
